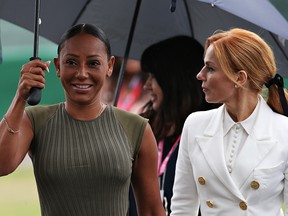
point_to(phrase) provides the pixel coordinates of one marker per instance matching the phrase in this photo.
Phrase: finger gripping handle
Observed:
(35, 93)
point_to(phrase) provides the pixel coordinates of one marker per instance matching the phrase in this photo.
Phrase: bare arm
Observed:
(15, 128)
(145, 179)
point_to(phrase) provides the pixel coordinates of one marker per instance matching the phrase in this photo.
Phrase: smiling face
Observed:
(155, 91)
(82, 67)
(218, 88)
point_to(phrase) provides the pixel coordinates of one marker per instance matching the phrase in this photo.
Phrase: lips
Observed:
(82, 86)
(204, 88)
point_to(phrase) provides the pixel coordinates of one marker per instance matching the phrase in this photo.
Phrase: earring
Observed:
(236, 86)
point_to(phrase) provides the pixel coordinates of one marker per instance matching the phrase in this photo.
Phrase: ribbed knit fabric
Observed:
(83, 168)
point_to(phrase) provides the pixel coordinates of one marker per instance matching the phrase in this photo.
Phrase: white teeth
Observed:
(82, 86)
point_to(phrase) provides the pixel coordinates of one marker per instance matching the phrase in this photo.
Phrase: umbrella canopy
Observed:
(197, 18)
(155, 22)
(134, 25)
(56, 16)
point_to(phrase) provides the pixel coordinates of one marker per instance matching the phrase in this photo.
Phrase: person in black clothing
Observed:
(172, 66)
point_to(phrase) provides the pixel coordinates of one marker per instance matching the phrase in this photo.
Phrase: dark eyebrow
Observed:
(71, 55)
(93, 56)
(76, 56)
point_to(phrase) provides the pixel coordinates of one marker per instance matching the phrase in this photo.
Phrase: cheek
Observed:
(223, 92)
(65, 77)
(159, 95)
(219, 87)
(219, 82)
(155, 87)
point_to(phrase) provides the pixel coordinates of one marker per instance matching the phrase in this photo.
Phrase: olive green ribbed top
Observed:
(84, 167)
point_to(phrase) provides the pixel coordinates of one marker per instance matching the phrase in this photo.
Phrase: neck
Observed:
(242, 108)
(85, 112)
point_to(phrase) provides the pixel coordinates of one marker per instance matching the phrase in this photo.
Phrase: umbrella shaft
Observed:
(36, 28)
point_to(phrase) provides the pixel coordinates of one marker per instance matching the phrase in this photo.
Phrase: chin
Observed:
(210, 100)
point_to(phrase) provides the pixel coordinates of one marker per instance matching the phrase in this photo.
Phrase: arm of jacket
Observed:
(185, 199)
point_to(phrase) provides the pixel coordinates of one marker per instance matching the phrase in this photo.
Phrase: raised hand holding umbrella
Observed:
(35, 93)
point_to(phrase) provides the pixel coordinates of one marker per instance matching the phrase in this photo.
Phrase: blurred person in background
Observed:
(131, 96)
(174, 92)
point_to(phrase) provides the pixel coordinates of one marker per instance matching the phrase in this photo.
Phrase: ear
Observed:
(241, 78)
(110, 66)
(57, 66)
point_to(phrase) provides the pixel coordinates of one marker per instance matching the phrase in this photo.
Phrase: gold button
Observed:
(209, 203)
(243, 205)
(255, 185)
(201, 180)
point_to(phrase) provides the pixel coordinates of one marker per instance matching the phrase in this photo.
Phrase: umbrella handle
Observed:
(35, 93)
(34, 96)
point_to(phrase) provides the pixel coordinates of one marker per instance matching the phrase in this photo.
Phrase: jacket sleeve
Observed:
(185, 199)
(286, 189)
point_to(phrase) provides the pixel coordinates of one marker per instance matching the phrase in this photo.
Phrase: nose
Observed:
(82, 73)
(200, 75)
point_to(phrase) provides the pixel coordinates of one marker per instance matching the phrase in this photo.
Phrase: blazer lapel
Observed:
(211, 144)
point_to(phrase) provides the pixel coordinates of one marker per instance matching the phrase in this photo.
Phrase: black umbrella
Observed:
(133, 25)
(9, 11)
(153, 21)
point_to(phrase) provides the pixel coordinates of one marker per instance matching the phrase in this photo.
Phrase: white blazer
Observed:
(260, 176)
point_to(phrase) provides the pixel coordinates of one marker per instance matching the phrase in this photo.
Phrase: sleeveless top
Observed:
(84, 167)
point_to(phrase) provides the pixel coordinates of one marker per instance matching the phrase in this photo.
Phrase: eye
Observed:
(94, 63)
(209, 69)
(71, 62)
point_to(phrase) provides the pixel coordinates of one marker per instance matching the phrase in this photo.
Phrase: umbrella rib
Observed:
(81, 12)
(126, 54)
(279, 45)
(189, 18)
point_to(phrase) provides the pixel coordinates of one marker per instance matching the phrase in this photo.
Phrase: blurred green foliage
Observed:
(17, 48)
